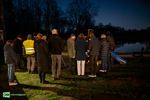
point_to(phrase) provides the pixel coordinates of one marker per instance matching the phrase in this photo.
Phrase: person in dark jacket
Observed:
(41, 48)
(105, 52)
(111, 41)
(56, 48)
(80, 47)
(94, 49)
(11, 60)
(18, 44)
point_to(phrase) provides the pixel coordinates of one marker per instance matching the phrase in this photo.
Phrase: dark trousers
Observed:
(72, 66)
(110, 61)
(41, 75)
(19, 61)
(93, 61)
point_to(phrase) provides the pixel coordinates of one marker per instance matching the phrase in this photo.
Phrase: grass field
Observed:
(130, 81)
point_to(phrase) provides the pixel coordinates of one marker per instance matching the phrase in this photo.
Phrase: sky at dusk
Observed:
(130, 14)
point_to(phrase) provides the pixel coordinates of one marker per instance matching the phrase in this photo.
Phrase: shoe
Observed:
(93, 76)
(103, 71)
(56, 78)
(12, 83)
(89, 75)
(45, 82)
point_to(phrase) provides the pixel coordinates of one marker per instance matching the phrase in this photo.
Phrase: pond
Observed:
(131, 47)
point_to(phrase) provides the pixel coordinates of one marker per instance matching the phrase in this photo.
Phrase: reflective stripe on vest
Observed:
(30, 51)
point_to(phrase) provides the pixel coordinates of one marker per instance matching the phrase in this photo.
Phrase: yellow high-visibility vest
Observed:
(29, 47)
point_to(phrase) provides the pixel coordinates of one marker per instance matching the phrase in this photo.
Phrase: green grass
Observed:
(130, 81)
(34, 89)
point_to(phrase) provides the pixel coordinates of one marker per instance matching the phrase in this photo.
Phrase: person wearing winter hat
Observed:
(56, 47)
(105, 46)
(94, 49)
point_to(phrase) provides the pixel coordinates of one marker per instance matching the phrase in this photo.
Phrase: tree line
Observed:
(24, 16)
(34, 16)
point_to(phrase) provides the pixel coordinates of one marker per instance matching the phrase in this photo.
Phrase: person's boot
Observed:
(45, 82)
(43, 77)
(40, 78)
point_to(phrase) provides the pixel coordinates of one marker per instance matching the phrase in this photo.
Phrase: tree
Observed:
(9, 18)
(1, 15)
(29, 16)
(2, 26)
(80, 14)
(51, 14)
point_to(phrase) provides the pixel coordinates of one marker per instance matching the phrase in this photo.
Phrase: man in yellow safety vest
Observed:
(30, 53)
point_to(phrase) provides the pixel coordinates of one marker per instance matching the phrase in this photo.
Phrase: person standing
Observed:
(11, 60)
(30, 53)
(71, 52)
(80, 54)
(94, 49)
(105, 52)
(111, 41)
(56, 48)
(18, 44)
(41, 48)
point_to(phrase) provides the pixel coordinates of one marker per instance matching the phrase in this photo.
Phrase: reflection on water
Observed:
(131, 47)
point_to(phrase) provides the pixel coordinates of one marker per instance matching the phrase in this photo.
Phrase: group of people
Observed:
(36, 50)
(95, 49)
(42, 51)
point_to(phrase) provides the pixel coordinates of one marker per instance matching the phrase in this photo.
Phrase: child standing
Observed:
(11, 61)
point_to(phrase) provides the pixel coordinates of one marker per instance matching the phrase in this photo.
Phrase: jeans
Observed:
(30, 63)
(11, 72)
(56, 65)
(93, 60)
